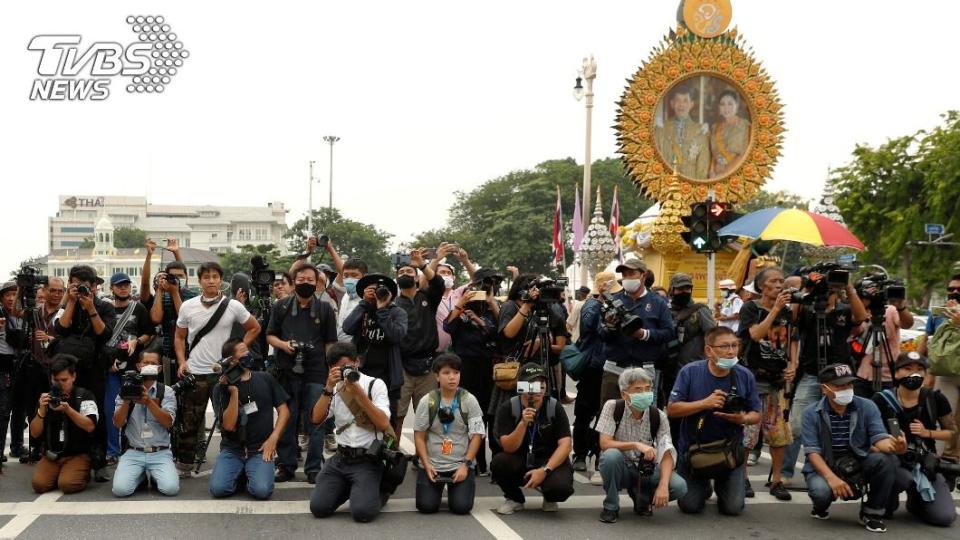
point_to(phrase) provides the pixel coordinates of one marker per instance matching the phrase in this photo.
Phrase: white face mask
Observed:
(448, 282)
(632, 285)
(843, 397)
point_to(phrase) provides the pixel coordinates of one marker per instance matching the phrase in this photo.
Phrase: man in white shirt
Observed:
(353, 270)
(205, 343)
(352, 474)
(727, 310)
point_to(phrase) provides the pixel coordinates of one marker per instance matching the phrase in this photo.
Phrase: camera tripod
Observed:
(539, 328)
(876, 337)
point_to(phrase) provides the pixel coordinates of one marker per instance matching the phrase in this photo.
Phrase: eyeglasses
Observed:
(953, 289)
(725, 346)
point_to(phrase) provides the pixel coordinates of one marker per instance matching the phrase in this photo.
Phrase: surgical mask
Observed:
(682, 299)
(305, 290)
(641, 401)
(727, 363)
(150, 371)
(843, 397)
(448, 282)
(632, 285)
(912, 382)
(350, 284)
(406, 282)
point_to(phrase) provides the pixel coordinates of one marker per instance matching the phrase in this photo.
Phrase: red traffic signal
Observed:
(717, 210)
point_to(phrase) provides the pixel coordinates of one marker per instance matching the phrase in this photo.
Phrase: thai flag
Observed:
(558, 253)
(615, 225)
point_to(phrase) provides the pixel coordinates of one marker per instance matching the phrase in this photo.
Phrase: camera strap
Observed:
(121, 324)
(433, 406)
(211, 324)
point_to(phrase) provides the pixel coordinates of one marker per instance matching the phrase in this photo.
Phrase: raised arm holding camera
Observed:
(145, 409)
(169, 291)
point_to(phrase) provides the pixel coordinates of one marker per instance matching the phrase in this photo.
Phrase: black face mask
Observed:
(119, 298)
(305, 290)
(912, 382)
(406, 282)
(682, 299)
(955, 296)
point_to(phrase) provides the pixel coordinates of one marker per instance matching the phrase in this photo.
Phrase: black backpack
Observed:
(620, 407)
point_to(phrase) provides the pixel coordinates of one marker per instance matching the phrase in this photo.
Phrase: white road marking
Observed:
(21, 521)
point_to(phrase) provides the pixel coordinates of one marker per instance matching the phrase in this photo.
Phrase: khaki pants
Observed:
(414, 387)
(950, 387)
(69, 473)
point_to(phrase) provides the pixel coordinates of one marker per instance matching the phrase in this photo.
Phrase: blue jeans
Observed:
(134, 464)
(730, 491)
(109, 406)
(231, 464)
(5, 395)
(879, 472)
(807, 393)
(302, 399)
(617, 474)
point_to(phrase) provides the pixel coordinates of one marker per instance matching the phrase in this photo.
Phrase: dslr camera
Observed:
(734, 403)
(300, 348)
(186, 384)
(56, 395)
(131, 385)
(349, 374)
(616, 316)
(930, 463)
(227, 369)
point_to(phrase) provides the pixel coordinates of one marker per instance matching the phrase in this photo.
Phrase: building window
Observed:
(261, 234)
(70, 243)
(246, 234)
(192, 272)
(213, 236)
(76, 229)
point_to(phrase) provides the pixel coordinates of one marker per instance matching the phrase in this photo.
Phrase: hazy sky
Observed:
(428, 97)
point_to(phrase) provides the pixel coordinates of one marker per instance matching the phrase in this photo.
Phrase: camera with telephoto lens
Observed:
(849, 469)
(131, 386)
(300, 348)
(229, 370)
(56, 395)
(185, 384)
(930, 462)
(349, 374)
(885, 291)
(616, 316)
(29, 279)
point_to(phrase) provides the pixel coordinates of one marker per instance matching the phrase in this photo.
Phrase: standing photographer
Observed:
(244, 402)
(301, 327)
(65, 420)
(892, 312)
(917, 412)
(9, 413)
(360, 407)
(164, 299)
(146, 421)
(848, 450)
(692, 321)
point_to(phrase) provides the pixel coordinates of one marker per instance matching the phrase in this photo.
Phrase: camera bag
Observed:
(505, 374)
(716, 458)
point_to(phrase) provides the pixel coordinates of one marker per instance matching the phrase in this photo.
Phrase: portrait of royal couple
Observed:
(711, 145)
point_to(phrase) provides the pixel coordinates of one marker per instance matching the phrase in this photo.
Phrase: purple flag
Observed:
(577, 220)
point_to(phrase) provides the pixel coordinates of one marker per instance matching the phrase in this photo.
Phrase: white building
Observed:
(216, 228)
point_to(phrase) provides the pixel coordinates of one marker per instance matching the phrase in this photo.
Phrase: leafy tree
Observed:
(239, 261)
(766, 199)
(129, 237)
(87, 243)
(351, 238)
(887, 193)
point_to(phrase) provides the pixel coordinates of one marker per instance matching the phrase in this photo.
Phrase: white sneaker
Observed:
(303, 441)
(596, 479)
(185, 470)
(550, 506)
(509, 507)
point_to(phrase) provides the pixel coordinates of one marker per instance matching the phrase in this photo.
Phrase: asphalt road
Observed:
(96, 514)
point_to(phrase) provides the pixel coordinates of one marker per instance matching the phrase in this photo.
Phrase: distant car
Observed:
(915, 331)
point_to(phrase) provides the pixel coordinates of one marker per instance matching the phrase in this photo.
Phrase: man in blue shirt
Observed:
(146, 423)
(645, 347)
(699, 398)
(847, 446)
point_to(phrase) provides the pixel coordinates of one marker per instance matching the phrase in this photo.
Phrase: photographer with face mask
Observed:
(848, 450)
(925, 417)
(244, 402)
(146, 421)
(692, 321)
(169, 291)
(353, 271)
(360, 407)
(301, 328)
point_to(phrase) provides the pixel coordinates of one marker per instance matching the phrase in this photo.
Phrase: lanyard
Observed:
(454, 405)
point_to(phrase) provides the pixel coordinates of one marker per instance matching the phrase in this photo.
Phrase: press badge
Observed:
(146, 433)
(63, 435)
(611, 367)
(250, 408)
(446, 447)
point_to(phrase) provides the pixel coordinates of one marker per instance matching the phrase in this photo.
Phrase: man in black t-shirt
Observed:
(302, 318)
(535, 435)
(250, 435)
(919, 412)
(64, 423)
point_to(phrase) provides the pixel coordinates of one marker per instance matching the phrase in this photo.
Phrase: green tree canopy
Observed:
(129, 237)
(766, 199)
(351, 238)
(239, 261)
(87, 243)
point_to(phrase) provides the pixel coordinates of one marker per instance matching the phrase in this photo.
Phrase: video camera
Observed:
(56, 395)
(818, 281)
(616, 316)
(131, 385)
(300, 348)
(551, 290)
(186, 384)
(29, 279)
(886, 290)
(261, 275)
(227, 369)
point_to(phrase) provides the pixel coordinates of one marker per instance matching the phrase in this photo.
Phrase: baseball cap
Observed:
(837, 374)
(8, 286)
(119, 278)
(531, 371)
(749, 288)
(584, 290)
(484, 274)
(632, 264)
(912, 357)
(727, 284)
(680, 280)
(604, 277)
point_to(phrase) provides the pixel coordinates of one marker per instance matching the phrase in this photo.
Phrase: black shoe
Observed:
(820, 514)
(778, 490)
(312, 477)
(17, 451)
(748, 489)
(873, 523)
(580, 464)
(3, 459)
(283, 475)
(101, 475)
(609, 516)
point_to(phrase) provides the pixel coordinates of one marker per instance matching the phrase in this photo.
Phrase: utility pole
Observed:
(331, 139)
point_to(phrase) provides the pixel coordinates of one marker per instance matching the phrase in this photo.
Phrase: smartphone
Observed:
(893, 426)
(942, 311)
(444, 477)
(430, 253)
(525, 387)
(479, 296)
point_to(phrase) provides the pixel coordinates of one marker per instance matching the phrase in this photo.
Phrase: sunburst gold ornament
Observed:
(668, 226)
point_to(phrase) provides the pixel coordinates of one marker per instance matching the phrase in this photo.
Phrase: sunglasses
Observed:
(953, 289)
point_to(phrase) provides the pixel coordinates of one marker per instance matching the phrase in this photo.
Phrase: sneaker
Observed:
(820, 514)
(580, 464)
(752, 460)
(312, 477)
(330, 443)
(550, 506)
(609, 516)
(101, 475)
(283, 475)
(873, 523)
(748, 489)
(596, 479)
(779, 491)
(111, 460)
(303, 441)
(509, 507)
(185, 470)
(482, 472)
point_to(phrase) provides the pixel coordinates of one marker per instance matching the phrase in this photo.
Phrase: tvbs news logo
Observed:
(71, 71)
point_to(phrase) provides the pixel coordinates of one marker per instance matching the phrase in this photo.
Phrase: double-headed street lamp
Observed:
(331, 139)
(588, 72)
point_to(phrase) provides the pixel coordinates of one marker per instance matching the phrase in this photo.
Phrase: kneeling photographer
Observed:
(145, 410)
(916, 412)
(448, 432)
(849, 452)
(360, 407)
(244, 401)
(638, 452)
(64, 423)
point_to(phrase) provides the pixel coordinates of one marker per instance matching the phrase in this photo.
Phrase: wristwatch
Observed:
(547, 470)
(471, 463)
(327, 393)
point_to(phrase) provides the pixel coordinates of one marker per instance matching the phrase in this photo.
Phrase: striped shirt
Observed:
(840, 431)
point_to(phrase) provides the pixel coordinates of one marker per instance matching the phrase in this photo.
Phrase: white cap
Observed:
(749, 288)
(727, 284)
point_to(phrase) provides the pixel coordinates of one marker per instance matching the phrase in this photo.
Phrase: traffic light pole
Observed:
(711, 265)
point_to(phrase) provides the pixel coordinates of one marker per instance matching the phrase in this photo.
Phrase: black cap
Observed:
(377, 279)
(531, 371)
(912, 357)
(584, 290)
(484, 274)
(837, 374)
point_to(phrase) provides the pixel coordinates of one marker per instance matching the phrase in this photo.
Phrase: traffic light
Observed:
(719, 215)
(698, 227)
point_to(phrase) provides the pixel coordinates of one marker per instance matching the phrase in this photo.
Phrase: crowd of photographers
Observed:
(674, 398)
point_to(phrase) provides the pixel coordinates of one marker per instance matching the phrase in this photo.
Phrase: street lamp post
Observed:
(331, 139)
(310, 207)
(588, 72)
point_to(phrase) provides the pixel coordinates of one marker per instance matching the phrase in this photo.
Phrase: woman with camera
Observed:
(917, 412)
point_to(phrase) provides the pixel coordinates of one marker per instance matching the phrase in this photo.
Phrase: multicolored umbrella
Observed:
(792, 224)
